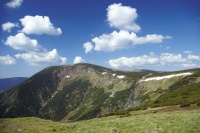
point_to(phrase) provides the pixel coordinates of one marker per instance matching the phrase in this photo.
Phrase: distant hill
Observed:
(143, 70)
(7, 83)
(85, 91)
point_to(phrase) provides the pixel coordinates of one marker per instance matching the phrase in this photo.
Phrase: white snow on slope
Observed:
(67, 76)
(166, 77)
(104, 73)
(121, 76)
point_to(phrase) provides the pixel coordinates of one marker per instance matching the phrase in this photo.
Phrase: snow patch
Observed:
(114, 75)
(120, 76)
(104, 73)
(166, 77)
(67, 76)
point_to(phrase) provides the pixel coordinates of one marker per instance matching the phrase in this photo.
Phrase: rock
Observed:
(19, 130)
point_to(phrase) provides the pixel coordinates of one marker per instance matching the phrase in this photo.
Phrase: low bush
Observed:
(120, 112)
(198, 104)
(143, 107)
(184, 105)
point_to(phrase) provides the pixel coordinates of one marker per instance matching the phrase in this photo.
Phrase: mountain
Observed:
(143, 70)
(84, 91)
(7, 83)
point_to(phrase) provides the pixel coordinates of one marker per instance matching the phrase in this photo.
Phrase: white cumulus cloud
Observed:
(122, 17)
(123, 40)
(193, 57)
(189, 65)
(7, 60)
(35, 53)
(133, 61)
(78, 59)
(39, 25)
(8, 26)
(88, 47)
(38, 58)
(113, 41)
(22, 42)
(169, 58)
(14, 3)
(152, 59)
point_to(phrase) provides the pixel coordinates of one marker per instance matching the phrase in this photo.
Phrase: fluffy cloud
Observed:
(14, 3)
(8, 26)
(170, 58)
(193, 57)
(189, 65)
(22, 42)
(133, 61)
(35, 53)
(37, 58)
(78, 59)
(39, 25)
(113, 41)
(122, 17)
(7, 60)
(152, 59)
(88, 47)
(153, 38)
(122, 40)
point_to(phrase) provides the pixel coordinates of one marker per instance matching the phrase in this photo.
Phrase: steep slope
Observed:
(7, 83)
(28, 97)
(74, 92)
(85, 91)
(163, 89)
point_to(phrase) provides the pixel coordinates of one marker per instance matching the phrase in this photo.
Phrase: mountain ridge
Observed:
(7, 83)
(84, 91)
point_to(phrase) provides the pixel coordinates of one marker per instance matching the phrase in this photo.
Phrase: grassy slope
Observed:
(179, 120)
(185, 91)
(185, 95)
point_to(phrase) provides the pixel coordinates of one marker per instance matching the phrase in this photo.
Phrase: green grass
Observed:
(185, 95)
(164, 122)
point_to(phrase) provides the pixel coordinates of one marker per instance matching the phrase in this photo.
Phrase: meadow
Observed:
(172, 119)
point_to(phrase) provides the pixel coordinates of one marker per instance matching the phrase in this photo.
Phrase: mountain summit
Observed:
(84, 91)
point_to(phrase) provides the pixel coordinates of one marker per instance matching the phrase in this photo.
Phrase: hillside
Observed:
(158, 120)
(7, 83)
(84, 91)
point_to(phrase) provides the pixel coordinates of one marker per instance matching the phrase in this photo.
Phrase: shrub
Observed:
(155, 111)
(184, 105)
(155, 105)
(156, 102)
(198, 104)
(134, 109)
(124, 113)
(142, 107)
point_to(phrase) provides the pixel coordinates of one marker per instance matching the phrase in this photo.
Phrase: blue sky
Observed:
(129, 34)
